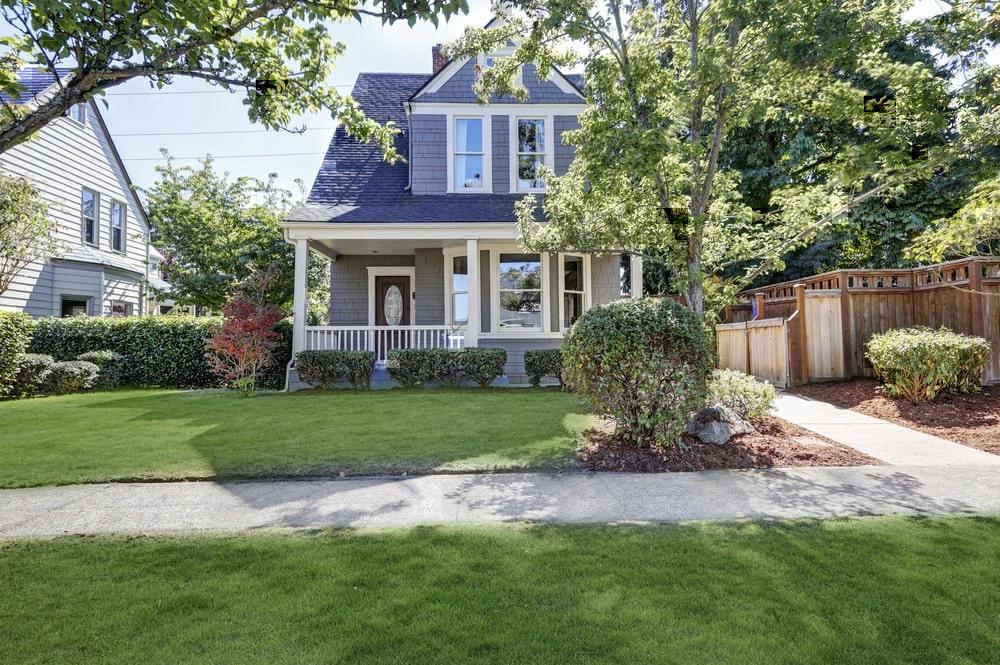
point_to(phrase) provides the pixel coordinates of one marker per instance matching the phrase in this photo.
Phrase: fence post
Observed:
(800, 305)
(760, 306)
(976, 298)
(846, 327)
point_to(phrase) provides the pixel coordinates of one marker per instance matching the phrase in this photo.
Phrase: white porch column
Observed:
(475, 297)
(300, 301)
(635, 274)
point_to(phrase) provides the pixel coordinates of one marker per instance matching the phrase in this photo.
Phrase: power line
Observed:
(231, 91)
(279, 154)
(231, 131)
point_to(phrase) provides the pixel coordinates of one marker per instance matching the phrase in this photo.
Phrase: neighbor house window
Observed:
(119, 308)
(530, 152)
(78, 112)
(117, 226)
(88, 209)
(459, 290)
(469, 154)
(520, 291)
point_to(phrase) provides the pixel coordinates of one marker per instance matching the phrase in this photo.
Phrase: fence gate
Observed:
(759, 348)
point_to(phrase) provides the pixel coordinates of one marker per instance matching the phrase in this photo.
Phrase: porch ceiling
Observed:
(348, 247)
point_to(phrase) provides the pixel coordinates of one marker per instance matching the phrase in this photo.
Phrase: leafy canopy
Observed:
(669, 88)
(27, 232)
(278, 53)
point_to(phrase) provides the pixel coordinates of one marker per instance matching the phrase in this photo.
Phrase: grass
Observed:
(159, 434)
(876, 590)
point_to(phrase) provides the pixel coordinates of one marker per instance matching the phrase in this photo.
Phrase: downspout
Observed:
(409, 146)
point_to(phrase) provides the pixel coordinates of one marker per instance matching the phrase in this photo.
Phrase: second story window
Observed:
(88, 213)
(78, 112)
(469, 163)
(117, 226)
(530, 152)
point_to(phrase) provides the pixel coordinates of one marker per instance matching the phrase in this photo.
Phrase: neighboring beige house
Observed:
(102, 267)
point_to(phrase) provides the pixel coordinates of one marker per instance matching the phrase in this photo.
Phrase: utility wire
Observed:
(279, 154)
(230, 131)
(232, 91)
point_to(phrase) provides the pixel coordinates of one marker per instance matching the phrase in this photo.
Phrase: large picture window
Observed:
(469, 173)
(520, 282)
(530, 152)
(117, 226)
(88, 213)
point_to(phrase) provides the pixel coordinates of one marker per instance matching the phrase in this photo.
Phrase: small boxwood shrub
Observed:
(643, 362)
(749, 398)
(70, 376)
(482, 365)
(445, 365)
(543, 362)
(324, 368)
(109, 363)
(918, 363)
(33, 368)
(15, 333)
(409, 368)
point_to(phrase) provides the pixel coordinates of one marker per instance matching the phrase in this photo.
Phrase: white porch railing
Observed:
(382, 338)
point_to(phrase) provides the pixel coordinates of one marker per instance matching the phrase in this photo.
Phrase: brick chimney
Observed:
(438, 59)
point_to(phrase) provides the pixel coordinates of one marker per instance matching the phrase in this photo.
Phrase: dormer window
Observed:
(78, 112)
(531, 152)
(469, 156)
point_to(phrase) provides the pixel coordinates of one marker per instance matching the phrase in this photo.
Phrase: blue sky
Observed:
(187, 117)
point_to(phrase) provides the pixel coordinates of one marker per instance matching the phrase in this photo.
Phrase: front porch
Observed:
(432, 286)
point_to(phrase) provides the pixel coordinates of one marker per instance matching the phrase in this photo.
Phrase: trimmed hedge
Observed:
(543, 362)
(324, 368)
(415, 367)
(15, 333)
(644, 363)
(749, 398)
(918, 363)
(156, 350)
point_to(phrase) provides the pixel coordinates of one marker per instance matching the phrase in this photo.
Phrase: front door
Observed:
(392, 308)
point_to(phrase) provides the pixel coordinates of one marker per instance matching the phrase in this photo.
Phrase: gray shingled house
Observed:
(425, 252)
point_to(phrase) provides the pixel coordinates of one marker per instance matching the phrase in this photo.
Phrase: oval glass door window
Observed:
(393, 306)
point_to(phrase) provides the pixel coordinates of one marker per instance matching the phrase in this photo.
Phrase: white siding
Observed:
(63, 159)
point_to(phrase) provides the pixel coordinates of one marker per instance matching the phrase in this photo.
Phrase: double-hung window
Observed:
(531, 147)
(88, 213)
(459, 288)
(469, 155)
(574, 271)
(117, 226)
(520, 292)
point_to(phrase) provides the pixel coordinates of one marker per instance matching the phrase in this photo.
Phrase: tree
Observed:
(27, 233)
(279, 53)
(242, 345)
(215, 232)
(669, 86)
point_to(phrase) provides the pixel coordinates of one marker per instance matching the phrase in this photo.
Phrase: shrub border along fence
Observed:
(831, 317)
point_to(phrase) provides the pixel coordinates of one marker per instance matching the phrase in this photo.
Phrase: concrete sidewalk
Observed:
(926, 475)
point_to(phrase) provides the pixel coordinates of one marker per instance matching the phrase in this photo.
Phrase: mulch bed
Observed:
(973, 420)
(776, 443)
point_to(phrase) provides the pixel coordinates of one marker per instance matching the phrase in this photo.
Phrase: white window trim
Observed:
(487, 187)
(562, 285)
(497, 55)
(494, 283)
(391, 271)
(450, 253)
(111, 226)
(548, 159)
(96, 218)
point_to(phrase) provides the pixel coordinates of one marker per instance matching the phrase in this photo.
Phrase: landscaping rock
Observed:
(716, 425)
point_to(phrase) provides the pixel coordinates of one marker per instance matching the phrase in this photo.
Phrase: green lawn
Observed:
(147, 434)
(876, 590)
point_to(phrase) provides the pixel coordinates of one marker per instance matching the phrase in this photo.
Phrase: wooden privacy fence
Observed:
(828, 319)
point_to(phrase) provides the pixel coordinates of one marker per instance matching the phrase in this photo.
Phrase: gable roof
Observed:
(354, 183)
(36, 81)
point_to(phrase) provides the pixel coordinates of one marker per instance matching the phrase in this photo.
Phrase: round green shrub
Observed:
(749, 398)
(918, 363)
(70, 376)
(483, 364)
(33, 368)
(645, 363)
(110, 364)
(542, 362)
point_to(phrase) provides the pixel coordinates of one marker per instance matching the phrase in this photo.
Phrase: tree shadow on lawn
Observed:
(332, 433)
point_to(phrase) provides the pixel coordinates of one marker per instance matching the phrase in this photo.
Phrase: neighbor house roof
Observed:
(35, 81)
(355, 184)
